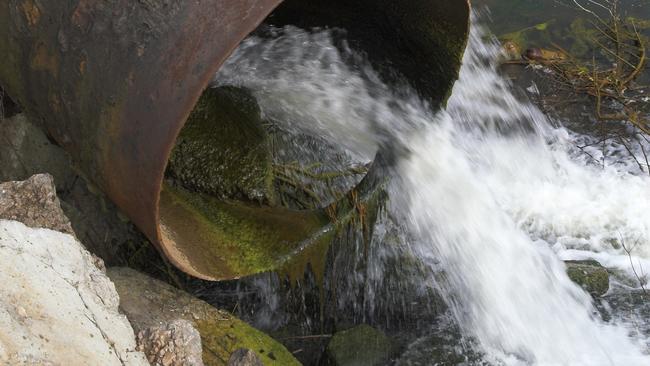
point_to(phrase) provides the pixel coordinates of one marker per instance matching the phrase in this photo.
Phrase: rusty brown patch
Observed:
(32, 12)
(43, 60)
(82, 66)
(81, 14)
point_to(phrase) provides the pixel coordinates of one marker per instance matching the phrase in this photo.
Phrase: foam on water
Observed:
(490, 191)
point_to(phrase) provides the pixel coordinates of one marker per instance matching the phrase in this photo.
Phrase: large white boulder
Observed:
(56, 306)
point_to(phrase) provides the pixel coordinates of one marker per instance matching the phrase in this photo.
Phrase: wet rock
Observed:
(590, 275)
(148, 302)
(362, 345)
(444, 345)
(56, 306)
(244, 357)
(625, 305)
(173, 344)
(34, 203)
(223, 150)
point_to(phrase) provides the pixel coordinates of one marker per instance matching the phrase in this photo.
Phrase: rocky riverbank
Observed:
(59, 306)
(62, 307)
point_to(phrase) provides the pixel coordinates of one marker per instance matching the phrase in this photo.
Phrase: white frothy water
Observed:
(490, 191)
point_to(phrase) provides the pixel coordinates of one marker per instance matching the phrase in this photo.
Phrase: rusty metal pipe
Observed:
(113, 81)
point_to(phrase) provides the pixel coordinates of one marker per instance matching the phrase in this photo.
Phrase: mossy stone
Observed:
(225, 239)
(590, 275)
(147, 302)
(223, 148)
(362, 345)
(230, 239)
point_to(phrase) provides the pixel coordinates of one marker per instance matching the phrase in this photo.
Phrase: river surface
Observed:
(489, 192)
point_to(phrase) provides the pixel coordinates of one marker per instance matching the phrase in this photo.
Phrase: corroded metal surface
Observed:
(113, 81)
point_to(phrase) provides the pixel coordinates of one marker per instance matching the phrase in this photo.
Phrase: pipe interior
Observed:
(213, 212)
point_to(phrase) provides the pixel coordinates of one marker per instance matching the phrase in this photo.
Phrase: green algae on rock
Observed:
(232, 239)
(223, 148)
(225, 239)
(590, 275)
(362, 345)
(148, 302)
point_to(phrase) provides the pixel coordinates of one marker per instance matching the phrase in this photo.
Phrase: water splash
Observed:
(490, 191)
(491, 187)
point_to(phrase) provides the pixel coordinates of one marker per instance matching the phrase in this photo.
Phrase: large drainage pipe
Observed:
(113, 82)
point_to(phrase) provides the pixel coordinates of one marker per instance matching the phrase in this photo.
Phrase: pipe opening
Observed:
(114, 84)
(223, 212)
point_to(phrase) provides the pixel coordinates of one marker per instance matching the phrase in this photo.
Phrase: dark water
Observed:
(514, 15)
(543, 23)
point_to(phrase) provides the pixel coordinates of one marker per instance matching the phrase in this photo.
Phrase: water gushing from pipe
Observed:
(489, 189)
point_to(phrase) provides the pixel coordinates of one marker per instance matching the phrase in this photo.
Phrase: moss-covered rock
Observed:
(148, 302)
(229, 239)
(225, 239)
(362, 345)
(590, 275)
(223, 148)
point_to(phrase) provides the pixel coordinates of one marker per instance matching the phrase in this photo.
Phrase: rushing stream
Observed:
(491, 192)
(493, 188)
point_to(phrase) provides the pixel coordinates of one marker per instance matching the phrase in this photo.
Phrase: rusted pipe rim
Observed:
(114, 80)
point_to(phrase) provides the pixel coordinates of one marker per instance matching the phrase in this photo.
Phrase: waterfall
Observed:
(491, 191)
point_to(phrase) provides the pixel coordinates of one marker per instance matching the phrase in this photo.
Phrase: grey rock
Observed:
(171, 344)
(443, 345)
(244, 357)
(34, 203)
(25, 150)
(56, 306)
